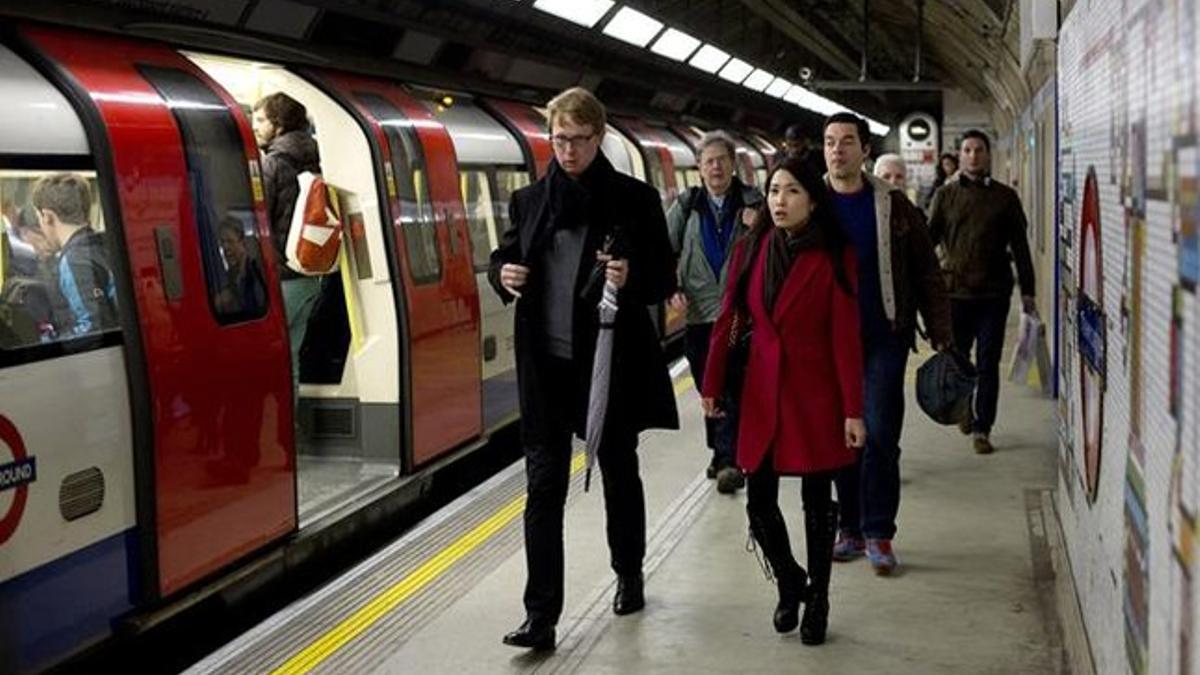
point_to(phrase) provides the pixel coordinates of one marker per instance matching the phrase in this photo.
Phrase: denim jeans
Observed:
(869, 489)
(981, 323)
(720, 433)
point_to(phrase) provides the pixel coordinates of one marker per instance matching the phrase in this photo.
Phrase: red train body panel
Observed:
(532, 127)
(218, 392)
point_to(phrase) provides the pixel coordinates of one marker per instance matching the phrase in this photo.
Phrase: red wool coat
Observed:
(805, 373)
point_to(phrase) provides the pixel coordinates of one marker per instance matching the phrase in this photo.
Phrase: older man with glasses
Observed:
(703, 225)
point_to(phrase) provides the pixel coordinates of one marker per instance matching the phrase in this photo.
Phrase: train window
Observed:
(56, 278)
(408, 168)
(658, 178)
(481, 219)
(692, 178)
(222, 203)
(761, 175)
(508, 181)
(680, 180)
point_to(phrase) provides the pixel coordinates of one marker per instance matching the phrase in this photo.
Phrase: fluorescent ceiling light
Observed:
(779, 88)
(758, 80)
(808, 100)
(675, 44)
(630, 25)
(709, 59)
(583, 12)
(735, 71)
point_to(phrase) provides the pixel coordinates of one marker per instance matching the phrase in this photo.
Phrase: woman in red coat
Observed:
(801, 397)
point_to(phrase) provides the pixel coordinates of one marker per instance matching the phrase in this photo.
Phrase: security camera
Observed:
(806, 74)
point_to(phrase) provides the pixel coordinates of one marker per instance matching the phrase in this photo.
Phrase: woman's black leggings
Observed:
(762, 489)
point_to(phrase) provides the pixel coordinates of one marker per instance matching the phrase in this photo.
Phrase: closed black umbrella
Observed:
(601, 375)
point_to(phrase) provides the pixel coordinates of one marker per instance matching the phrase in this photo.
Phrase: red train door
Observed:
(529, 125)
(441, 397)
(214, 460)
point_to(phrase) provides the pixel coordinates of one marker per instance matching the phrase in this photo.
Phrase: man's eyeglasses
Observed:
(562, 142)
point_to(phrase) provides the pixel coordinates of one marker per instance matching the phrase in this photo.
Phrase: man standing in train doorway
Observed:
(580, 224)
(981, 226)
(898, 275)
(703, 225)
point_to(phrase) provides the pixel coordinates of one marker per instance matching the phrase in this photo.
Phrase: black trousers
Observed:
(980, 324)
(548, 473)
(720, 433)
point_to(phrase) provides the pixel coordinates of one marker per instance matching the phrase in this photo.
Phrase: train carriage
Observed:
(163, 455)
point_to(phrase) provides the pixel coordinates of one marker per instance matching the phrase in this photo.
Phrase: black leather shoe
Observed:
(531, 636)
(630, 597)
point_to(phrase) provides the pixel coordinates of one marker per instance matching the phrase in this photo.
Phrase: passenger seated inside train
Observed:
(28, 248)
(82, 275)
(243, 290)
(26, 301)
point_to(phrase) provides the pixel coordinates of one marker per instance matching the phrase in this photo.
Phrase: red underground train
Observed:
(161, 456)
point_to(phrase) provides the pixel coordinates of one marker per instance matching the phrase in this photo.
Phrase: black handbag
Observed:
(945, 386)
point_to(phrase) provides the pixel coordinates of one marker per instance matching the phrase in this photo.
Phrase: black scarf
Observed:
(582, 202)
(572, 202)
(783, 248)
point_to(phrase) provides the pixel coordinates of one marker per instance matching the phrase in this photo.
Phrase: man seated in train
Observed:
(703, 225)
(243, 290)
(580, 226)
(27, 304)
(84, 277)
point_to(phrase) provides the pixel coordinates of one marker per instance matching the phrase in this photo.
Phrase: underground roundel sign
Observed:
(1092, 337)
(17, 471)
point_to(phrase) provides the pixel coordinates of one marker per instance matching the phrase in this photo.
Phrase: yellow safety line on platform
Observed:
(358, 622)
(361, 620)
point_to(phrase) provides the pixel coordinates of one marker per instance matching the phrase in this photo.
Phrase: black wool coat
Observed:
(612, 205)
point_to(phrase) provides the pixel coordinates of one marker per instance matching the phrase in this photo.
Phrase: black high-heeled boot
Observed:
(820, 529)
(770, 531)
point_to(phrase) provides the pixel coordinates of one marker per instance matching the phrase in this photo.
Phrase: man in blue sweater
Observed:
(898, 275)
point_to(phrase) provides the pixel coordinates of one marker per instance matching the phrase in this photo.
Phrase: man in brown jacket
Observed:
(980, 226)
(898, 275)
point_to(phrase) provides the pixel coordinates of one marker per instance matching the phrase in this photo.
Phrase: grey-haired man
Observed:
(703, 225)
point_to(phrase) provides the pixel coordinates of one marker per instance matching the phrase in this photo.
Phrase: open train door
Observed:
(209, 373)
(439, 366)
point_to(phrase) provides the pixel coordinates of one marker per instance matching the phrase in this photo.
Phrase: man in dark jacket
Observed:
(581, 223)
(280, 125)
(898, 275)
(980, 226)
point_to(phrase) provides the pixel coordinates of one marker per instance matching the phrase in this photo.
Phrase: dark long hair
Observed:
(831, 238)
(940, 172)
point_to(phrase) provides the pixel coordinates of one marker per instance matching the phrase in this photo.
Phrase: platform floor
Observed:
(968, 598)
